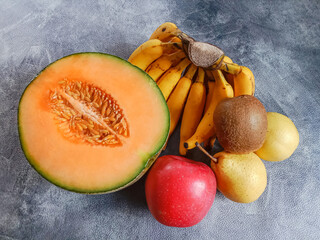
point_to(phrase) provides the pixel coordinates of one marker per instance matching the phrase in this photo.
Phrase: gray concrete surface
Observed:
(278, 40)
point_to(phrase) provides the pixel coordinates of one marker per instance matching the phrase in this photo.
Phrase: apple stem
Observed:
(215, 160)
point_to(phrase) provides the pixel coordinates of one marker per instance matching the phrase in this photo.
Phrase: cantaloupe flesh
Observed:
(80, 166)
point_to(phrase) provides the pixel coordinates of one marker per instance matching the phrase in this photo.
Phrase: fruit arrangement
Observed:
(213, 97)
(193, 77)
(82, 131)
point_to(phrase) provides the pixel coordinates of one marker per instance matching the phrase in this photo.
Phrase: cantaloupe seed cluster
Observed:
(85, 112)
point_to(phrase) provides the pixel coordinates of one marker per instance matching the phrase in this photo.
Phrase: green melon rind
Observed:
(148, 160)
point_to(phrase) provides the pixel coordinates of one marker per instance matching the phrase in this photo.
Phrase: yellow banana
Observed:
(175, 39)
(151, 50)
(229, 77)
(179, 96)
(165, 32)
(193, 110)
(210, 95)
(170, 79)
(208, 102)
(232, 68)
(229, 67)
(162, 64)
(226, 59)
(244, 83)
(205, 130)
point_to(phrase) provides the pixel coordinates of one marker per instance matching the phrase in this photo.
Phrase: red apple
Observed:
(180, 191)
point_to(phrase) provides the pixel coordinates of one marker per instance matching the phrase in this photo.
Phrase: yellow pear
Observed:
(240, 177)
(281, 140)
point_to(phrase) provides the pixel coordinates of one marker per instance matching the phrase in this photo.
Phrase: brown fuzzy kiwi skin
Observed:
(241, 124)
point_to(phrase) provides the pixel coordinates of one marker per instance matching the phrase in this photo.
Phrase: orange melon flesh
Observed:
(91, 168)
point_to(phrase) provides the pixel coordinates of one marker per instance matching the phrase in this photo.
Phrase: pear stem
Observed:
(215, 160)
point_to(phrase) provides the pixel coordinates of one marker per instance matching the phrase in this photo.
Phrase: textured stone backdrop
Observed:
(278, 40)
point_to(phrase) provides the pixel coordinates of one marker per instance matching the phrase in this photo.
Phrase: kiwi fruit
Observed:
(241, 124)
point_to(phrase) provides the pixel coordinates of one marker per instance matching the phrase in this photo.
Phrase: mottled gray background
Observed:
(278, 40)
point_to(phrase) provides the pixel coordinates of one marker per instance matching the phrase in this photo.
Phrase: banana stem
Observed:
(210, 75)
(217, 64)
(219, 78)
(200, 77)
(174, 54)
(232, 68)
(215, 160)
(202, 54)
(191, 71)
(183, 64)
(170, 47)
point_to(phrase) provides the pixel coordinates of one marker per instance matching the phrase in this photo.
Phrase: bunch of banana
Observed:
(170, 58)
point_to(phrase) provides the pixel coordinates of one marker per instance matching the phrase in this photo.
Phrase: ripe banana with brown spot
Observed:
(179, 96)
(151, 50)
(193, 110)
(162, 64)
(205, 129)
(165, 32)
(171, 77)
(244, 83)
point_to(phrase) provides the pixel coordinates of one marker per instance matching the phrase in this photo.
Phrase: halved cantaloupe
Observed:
(92, 123)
